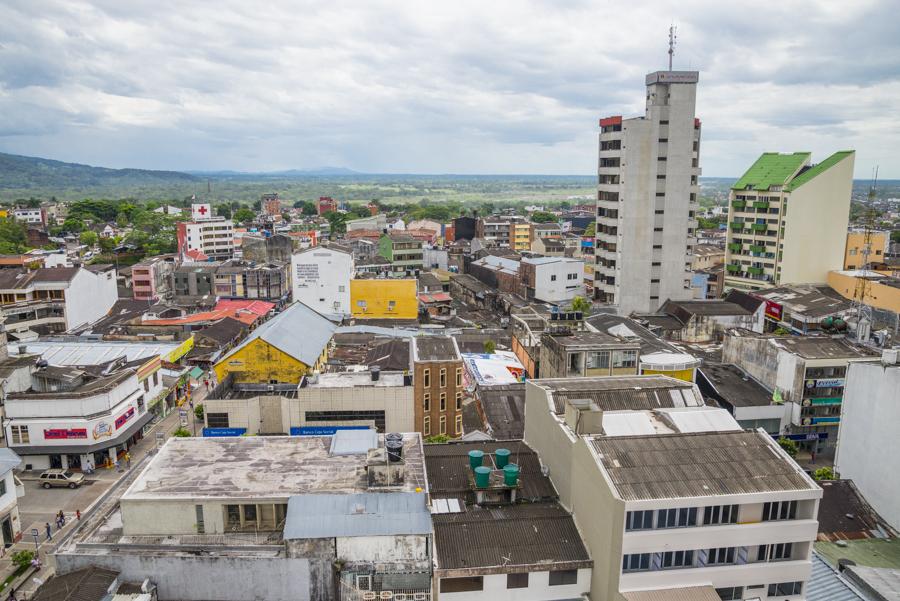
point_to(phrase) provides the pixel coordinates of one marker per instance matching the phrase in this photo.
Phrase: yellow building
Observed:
(882, 291)
(680, 366)
(282, 350)
(384, 299)
(853, 252)
(520, 236)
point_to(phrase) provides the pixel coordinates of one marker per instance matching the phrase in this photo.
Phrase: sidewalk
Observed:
(28, 583)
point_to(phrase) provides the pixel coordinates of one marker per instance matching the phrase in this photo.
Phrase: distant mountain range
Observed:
(21, 172)
(317, 172)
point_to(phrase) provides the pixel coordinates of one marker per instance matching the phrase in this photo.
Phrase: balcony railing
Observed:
(738, 204)
(761, 204)
(758, 227)
(735, 247)
(736, 227)
(732, 268)
(757, 248)
(755, 270)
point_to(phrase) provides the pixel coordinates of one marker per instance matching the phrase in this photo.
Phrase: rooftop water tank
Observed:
(482, 476)
(394, 450)
(511, 475)
(475, 459)
(502, 456)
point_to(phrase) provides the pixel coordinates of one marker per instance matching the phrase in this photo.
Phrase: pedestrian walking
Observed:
(12, 596)
(117, 464)
(206, 382)
(128, 460)
(49, 531)
(78, 514)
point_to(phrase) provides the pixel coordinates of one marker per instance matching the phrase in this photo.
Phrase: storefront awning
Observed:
(85, 449)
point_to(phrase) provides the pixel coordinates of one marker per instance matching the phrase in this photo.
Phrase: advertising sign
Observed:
(323, 430)
(224, 431)
(826, 383)
(120, 421)
(64, 433)
(101, 430)
(773, 310)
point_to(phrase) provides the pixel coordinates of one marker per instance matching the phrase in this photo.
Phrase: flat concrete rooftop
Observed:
(354, 379)
(263, 467)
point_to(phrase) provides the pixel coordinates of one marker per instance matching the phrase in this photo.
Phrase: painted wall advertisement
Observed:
(64, 433)
(120, 421)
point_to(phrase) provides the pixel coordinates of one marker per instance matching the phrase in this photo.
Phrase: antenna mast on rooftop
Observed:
(863, 310)
(673, 38)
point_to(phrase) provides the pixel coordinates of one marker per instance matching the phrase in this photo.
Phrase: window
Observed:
(443, 429)
(560, 577)
(731, 593)
(140, 404)
(458, 425)
(156, 378)
(392, 305)
(217, 420)
(778, 552)
(232, 516)
(249, 513)
(198, 511)
(720, 514)
(779, 510)
(459, 401)
(462, 585)
(426, 426)
(2, 487)
(426, 378)
(553, 278)
(443, 378)
(426, 401)
(459, 376)
(443, 401)
(785, 588)
(146, 385)
(720, 556)
(342, 288)
(517, 580)
(20, 434)
(677, 559)
(361, 304)
(622, 359)
(598, 360)
(639, 520)
(636, 562)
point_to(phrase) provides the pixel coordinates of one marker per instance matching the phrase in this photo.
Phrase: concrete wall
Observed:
(321, 280)
(868, 434)
(185, 578)
(378, 296)
(395, 401)
(816, 224)
(90, 296)
(258, 362)
(549, 440)
(383, 548)
(539, 589)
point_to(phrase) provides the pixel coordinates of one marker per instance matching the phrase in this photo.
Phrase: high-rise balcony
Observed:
(732, 268)
(735, 247)
(757, 248)
(758, 227)
(761, 204)
(736, 227)
(738, 204)
(755, 270)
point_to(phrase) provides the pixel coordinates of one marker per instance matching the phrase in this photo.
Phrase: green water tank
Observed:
(482, 476)
(502, 456)
(475, 458)
(511, 475)
(828, 323)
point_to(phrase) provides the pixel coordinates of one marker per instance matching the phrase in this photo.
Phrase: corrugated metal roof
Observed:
(362, 514)
(672, 466)
(825, 584)
(298, 331)
(688, 593)
(623, 393)
(701, 419)
(447, 467)
(508, 535)
(92, 353)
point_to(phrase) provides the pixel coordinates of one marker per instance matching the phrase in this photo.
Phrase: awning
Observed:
(85, 449)
(195, 373)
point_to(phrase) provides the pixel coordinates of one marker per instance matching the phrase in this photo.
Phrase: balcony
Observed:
(755, 270)
(757, 248)
(731, 268)
(761, 204)
(735, 247)
(758, 227)
(736, 227)
(738, 204)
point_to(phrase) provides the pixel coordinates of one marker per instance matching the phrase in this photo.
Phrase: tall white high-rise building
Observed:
(647, 198)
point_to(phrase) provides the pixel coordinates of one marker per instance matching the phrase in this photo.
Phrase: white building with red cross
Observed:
(205, 237)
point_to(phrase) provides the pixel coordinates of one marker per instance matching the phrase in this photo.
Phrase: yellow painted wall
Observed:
(259, 363)
(686, 375)
(880, 296)
(853, 258)
(377, 296)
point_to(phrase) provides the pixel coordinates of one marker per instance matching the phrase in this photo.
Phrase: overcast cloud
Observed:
(425, 87)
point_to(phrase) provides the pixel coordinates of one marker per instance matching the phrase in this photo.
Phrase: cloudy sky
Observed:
(425, 87)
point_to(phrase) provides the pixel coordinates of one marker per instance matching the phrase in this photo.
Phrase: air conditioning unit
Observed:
(807, 421)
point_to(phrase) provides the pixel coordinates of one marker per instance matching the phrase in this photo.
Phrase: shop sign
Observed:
(120, 421)
(826, 383)
(773, 310)
(64, 433)
(224, 431)
(101, 430)
(323, 430)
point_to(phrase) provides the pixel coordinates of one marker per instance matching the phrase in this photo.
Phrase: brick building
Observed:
(438, 384)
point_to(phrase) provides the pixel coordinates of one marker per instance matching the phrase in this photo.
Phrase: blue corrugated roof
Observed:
(362, 514)
(826, 584)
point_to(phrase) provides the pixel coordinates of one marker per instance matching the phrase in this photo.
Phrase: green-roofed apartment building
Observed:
(787, 220)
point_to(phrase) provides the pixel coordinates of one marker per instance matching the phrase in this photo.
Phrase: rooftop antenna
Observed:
(863, 310)
(673, 38)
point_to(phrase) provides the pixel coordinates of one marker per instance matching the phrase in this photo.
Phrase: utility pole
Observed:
(863, 310)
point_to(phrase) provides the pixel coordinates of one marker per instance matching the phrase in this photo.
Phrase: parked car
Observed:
(60, 477)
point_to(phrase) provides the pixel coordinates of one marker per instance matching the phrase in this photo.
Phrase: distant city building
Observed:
(878, 248)
(384, 298)
(207, 238)
(464, 228)
(769, 245)
(647, 197)
(320, 278)
(31, 216)
(326, 204)
(271, 204)
(403, 251)
(151, 279)
(438, 383)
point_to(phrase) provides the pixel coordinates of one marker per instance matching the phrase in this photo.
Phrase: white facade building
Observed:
(552, 279)
(10, 491)
(29, 216)
(212, 237)
(647, 198)
(321, 280)
(69, 418)
(668, 493)
(868, 433)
